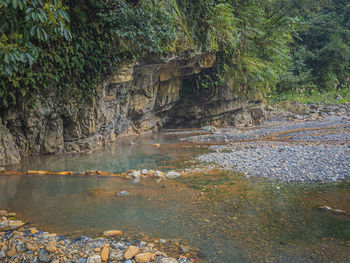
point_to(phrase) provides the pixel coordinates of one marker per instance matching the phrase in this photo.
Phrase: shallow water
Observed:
(229, 218)
(137, 153)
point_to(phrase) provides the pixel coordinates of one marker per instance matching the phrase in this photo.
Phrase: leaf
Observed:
(44, 34)
(23, 92)
(8, 70)
(13, 97)
(33, 30)
(7, 58)
(15, 3)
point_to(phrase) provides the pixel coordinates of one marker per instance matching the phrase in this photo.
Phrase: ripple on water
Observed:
(225, 215)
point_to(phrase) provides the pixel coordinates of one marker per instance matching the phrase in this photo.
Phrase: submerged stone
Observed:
(112, 233)
(135, 174)
(44, 256)
(158, 174)
(116, 254)
(10, 225)
(122, 193)
(172, 175)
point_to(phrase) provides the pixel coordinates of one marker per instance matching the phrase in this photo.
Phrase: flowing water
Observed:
(226, 216)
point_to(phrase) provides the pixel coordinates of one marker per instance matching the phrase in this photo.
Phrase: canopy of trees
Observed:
(268, 45)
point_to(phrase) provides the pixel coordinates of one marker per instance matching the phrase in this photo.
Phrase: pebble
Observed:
(122, 193)
(135, 174)
(185, 249)
(172, 175)
(94, 259)
(131, 251)
(105, 254)
(51, 247)
(158, 174)
(6, 225)
(112, 233)
(116, 254)
(44, 256)
(143, 257)
(166, 260)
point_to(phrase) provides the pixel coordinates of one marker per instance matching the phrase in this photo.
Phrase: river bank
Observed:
(314, 150)
(19, 243)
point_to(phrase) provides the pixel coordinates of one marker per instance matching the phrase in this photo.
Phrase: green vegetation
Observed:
(284, 46)
(313, 96)
(320, 65)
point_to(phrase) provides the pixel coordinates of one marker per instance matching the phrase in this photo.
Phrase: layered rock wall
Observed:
(141, 98)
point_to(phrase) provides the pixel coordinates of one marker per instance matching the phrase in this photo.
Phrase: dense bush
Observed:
(75, 58)
(321, 49)
(260, 44)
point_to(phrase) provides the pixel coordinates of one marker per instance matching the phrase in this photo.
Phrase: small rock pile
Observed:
(30, 245)
(144, 173)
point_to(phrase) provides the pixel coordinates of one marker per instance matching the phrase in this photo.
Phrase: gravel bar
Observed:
(287, 162)
(225, 135)
(297, 158)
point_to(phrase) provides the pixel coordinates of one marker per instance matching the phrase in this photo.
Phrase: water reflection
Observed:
(141, 154)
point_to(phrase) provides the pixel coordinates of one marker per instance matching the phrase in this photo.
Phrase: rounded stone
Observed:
(131, 251)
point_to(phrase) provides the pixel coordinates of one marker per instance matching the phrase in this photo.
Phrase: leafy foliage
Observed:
(321, 51)
(25, 26)
(261, 45)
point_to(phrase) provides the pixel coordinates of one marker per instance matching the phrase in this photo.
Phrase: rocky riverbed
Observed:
(19, 243)
(299, 150)
(286, 162)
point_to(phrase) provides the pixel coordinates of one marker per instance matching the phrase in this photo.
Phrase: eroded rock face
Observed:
(9, 152)
(141, 98)
(222, 107)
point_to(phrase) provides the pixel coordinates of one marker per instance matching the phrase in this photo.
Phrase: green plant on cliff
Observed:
(259, 51)
(147, 27)
(70, 46)
(24, 27)
(103, 33)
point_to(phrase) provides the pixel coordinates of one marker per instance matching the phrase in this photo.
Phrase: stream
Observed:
(221, 216)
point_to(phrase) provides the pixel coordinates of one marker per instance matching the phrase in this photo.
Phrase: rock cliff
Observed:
(140, 99)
